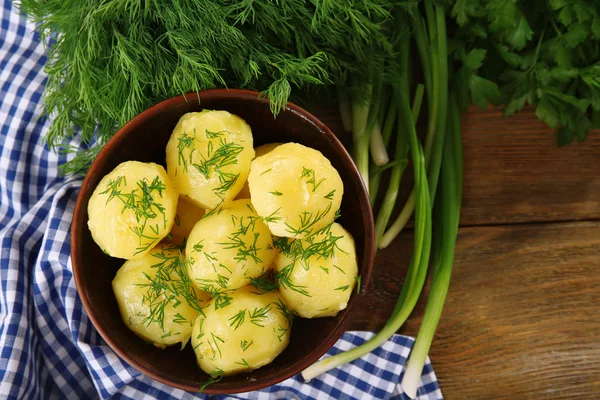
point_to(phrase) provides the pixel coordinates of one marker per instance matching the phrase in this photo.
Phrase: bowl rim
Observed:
(368, 257)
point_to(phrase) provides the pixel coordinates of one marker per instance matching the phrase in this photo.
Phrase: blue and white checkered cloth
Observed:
(48, 347)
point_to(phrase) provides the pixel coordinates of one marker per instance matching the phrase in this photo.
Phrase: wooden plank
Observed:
(515, 173)
(521, 318)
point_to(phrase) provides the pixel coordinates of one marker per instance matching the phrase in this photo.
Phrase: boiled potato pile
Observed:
(227, 244)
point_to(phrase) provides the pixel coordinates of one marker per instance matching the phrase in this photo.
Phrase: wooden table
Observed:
(522, 318)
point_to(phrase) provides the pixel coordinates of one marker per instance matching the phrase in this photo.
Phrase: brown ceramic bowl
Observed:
(144, 139)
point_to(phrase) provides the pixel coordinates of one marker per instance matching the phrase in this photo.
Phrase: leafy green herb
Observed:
(170, 285)
(215, 377)
(329, 196)
(238, 319)
(258, 315)
(284, 280)
(342, 288)
(244, 363)
(530, 52)
(309, 174)
(244, 344)
(272, 217)
(214, 345)
(276, 193)
(113, 59)
(239, 240)
(307, 221)
(281, 332)
(264, 284)
(287, 313)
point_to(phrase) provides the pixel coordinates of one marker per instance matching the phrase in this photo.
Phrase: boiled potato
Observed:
(242, 336)
(295, 189)
(317, 275)
(209, 155)
(228, 248)
(259, 151)
(156, 298)
(185, 218)
(132, 209)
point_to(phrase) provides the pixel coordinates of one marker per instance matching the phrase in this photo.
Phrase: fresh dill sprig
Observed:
(281, 331)
(244, 344)
(309, 174)
(264, 283)
(258, 315)
(307, 221)
(284, 280)
(170, 285)
(287, 313)
(239, 239)
(244, 363)
(215, 377)
(213, 342)
(112, 59)
(237, 319)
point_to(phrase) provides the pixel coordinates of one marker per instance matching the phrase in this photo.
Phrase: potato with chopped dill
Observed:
(185, 218)
(249, 331)
(228, 247)
(295, 189)
(208, 156)
(156, 298)
(132, 209)
(259, 151)
(317, 274)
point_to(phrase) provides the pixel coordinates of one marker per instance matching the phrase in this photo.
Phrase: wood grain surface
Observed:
(514, 171)
(522, 316)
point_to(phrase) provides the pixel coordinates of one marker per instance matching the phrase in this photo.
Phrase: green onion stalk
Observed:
(443, 258)
(397, 170)
(360, 116)
(388, 126)
(434, 57)
(417, 270)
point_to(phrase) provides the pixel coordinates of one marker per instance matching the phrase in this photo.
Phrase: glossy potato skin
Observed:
(136, 298)
(242, 336)
(259, 151)
(319, 286)
(295, 189)
(126, 220)
(228, 248)
(208, 156)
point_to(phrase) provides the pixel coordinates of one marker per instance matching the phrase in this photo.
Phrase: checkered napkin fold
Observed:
(48, 347)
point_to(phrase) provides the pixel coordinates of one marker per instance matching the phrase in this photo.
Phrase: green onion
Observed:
(446, 230)
(400, 159)
(377, 146)
(417, 270)
(438, 107)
